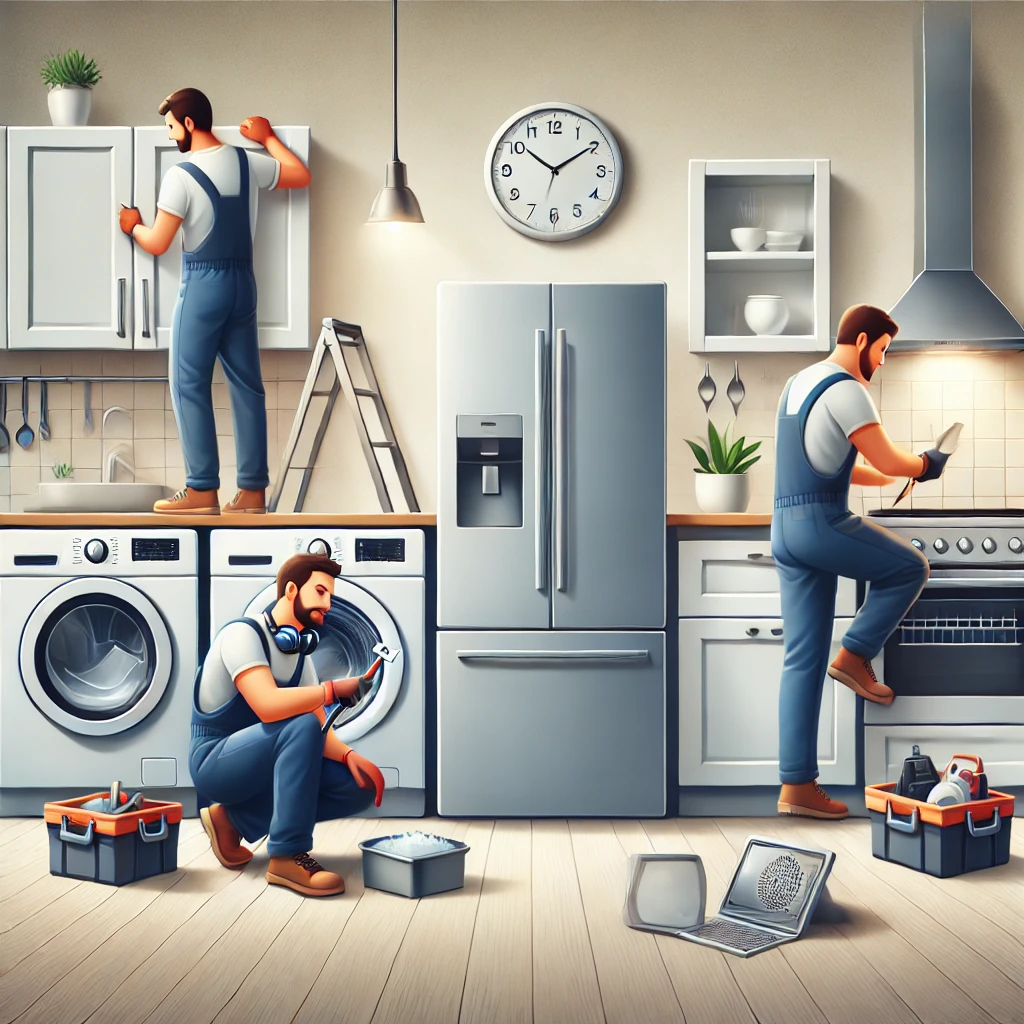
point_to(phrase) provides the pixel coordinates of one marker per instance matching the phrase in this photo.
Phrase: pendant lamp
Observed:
(395, 202)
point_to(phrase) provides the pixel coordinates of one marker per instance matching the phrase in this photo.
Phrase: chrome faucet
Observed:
(114, 408)
(115, 458)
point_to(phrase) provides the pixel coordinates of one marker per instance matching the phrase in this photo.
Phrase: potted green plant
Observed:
(70, 77)
(721, 481)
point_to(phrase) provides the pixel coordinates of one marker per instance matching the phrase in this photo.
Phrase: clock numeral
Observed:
(576, 210)
(531, 129)
(517, 147)
(533, 206)
(506, 170)
(514, 194)
(593, 195)
(577, 131)
(601, 170)
(553, 215)
(594, 145)
(554, 127)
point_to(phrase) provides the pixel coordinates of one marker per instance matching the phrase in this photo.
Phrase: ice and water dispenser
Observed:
(490, 470)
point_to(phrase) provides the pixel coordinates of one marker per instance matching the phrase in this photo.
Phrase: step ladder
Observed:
(335, 337)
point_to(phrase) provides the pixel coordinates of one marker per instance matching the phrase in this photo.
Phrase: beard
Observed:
(185, 144)
(305, 615)
(866, 369)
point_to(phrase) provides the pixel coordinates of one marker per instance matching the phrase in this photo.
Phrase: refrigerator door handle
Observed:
(553, 655)
(561, 504)
(540, 455)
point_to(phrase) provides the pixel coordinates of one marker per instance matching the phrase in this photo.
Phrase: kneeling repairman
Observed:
(826, 416)
(257, 748)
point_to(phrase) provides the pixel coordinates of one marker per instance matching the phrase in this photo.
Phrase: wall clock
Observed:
(553, 171)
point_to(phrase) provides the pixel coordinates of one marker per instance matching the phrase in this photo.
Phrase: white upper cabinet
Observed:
(280, 251)
(782, 207)
(3, 237)
(70, 267)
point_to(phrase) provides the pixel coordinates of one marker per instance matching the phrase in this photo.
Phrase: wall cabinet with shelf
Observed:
(77, 282)
(771, 195)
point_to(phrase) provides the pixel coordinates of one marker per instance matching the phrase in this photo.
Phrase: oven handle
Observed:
(1003, 578)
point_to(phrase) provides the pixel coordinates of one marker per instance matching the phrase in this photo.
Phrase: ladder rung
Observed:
(382, 444)
(366, 392)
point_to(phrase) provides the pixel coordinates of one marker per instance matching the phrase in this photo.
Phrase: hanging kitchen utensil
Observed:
(947, 443)
(736, 392)
(5, 437)
(706, 389)
(44, 427)
(25, 435)
(87, 396)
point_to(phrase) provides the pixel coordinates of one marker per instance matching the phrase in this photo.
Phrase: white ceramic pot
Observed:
(748, 239)
(766, 314)
(69, 105)
(722, 492)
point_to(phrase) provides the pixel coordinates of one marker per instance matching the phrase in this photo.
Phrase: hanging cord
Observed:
(394, 72)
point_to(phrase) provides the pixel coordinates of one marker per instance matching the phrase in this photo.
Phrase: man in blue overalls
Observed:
(212, 196)
(826, 416)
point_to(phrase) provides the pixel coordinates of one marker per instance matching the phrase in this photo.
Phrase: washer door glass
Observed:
(355, 624)
(95, 656)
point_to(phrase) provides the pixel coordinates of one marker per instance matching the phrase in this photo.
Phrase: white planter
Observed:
(766, 314)
(722, 492)
(69, 105)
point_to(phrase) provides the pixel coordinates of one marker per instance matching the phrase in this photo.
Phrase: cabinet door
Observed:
(729, 674)
(280, 248)
(540, 724)
(70, 265)
(3, 237)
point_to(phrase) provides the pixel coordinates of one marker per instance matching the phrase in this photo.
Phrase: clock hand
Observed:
(553, 170)
(558, 167)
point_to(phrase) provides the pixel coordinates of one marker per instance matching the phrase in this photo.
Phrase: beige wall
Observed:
(674, 80)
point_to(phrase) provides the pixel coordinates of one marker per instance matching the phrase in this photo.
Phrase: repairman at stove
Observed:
(257, 749)
(826, 416)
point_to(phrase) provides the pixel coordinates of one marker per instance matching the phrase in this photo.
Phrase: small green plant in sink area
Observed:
(720, 456)
(62, 471)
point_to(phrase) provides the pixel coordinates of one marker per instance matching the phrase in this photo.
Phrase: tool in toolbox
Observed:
(918, 776)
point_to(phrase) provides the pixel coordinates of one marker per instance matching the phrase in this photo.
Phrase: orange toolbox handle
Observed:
(882, 797)
(152, 812)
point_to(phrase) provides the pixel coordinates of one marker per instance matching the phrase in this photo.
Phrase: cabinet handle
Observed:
(776, 632)
(753, 631)
(121, 282)
(145, 307)
(756, 556)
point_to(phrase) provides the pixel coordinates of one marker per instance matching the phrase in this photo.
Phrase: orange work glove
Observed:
(366, 774)
(128, 218)
(347, 687)
(256, 128)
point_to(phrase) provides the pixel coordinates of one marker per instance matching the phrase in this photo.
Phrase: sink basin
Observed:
(68, 496)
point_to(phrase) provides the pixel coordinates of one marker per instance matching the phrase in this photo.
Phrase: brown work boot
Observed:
(252, 502)
(224, 837)
(856, 673)
(303, 874)
(189, 502)
(809, 800)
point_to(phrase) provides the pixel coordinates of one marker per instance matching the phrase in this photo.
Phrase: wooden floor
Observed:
(536, 934)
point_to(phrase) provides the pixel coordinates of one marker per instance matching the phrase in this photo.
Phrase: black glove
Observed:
(935, 463)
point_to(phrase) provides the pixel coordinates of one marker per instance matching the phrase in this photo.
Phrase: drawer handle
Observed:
(777, 632)
(753, 631)
(756, 556)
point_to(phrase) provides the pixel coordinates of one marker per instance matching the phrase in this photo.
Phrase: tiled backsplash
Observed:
(148, 432)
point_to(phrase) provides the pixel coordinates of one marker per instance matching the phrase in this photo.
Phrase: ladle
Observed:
(25, 435)
(706, 389)
(736, 392)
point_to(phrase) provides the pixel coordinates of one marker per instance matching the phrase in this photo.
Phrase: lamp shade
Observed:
(395, 202)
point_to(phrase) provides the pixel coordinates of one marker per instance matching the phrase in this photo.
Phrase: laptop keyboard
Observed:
(736, 935)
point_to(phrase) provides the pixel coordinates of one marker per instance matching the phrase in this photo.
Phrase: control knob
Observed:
(965, 545)
(319, 547)
(1015, 545)
(919, 544)
(988, 545)
(96, 551)
(941, 546)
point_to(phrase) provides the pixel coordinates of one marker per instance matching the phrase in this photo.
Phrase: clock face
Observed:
(553, 171)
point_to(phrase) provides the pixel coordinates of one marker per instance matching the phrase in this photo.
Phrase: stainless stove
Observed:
(956, 662)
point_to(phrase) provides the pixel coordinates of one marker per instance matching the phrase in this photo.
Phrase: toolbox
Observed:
(940, 840)
(112, 848)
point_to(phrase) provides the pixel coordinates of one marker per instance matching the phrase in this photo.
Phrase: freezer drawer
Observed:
(543, 724)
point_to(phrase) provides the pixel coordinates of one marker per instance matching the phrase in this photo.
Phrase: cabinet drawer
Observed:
(724, 578)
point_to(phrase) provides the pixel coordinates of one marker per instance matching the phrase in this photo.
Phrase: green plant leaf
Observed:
(731, 457)
(748, 451)
(743, 467)
(700, 455)
(70, 68)
(715, 446)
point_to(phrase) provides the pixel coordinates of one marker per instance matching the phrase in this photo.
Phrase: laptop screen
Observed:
(773, 885)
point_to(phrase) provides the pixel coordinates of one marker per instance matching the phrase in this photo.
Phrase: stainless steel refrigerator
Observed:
(551, 549)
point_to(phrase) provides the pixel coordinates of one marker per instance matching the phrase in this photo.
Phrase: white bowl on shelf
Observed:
(766, 314)
(748, 239)
(793, 238)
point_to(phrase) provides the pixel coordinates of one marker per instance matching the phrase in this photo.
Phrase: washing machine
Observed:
(378, 602)
(98, 652)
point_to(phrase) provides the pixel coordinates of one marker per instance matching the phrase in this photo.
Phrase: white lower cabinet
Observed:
(729, 674)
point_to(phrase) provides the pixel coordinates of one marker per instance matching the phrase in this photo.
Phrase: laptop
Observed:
(770, 899)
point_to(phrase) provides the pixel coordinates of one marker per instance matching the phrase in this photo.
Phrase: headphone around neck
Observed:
(288, 639)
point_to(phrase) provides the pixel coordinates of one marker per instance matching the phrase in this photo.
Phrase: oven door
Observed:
(958, 655)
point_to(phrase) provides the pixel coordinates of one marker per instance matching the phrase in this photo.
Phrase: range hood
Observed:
(947, 307)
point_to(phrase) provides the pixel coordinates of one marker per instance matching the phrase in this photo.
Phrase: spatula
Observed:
(44, 427)
(5, 438)
(25, 435)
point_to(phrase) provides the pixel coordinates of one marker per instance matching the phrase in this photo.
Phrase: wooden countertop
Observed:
(303, 519)
(724, 519)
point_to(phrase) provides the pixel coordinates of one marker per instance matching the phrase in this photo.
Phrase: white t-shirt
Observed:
(237, 648)
(183, 196)
(844, 407)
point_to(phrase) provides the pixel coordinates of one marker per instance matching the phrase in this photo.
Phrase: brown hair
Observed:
(189, 103)
(869, 320)
(299, 568)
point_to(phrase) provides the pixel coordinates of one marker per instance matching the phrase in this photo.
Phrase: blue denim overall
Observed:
(215, 317)
(816, 539)
(271, 777)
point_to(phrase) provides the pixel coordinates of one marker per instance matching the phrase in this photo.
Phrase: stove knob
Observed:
(988, 545)
(919, 544)
(1015, 545)
(941, 546)
(319, 547)
(96, 551)
(965, 546)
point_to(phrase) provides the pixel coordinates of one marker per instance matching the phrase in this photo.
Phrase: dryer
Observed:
(378, 599)
(98, 651)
